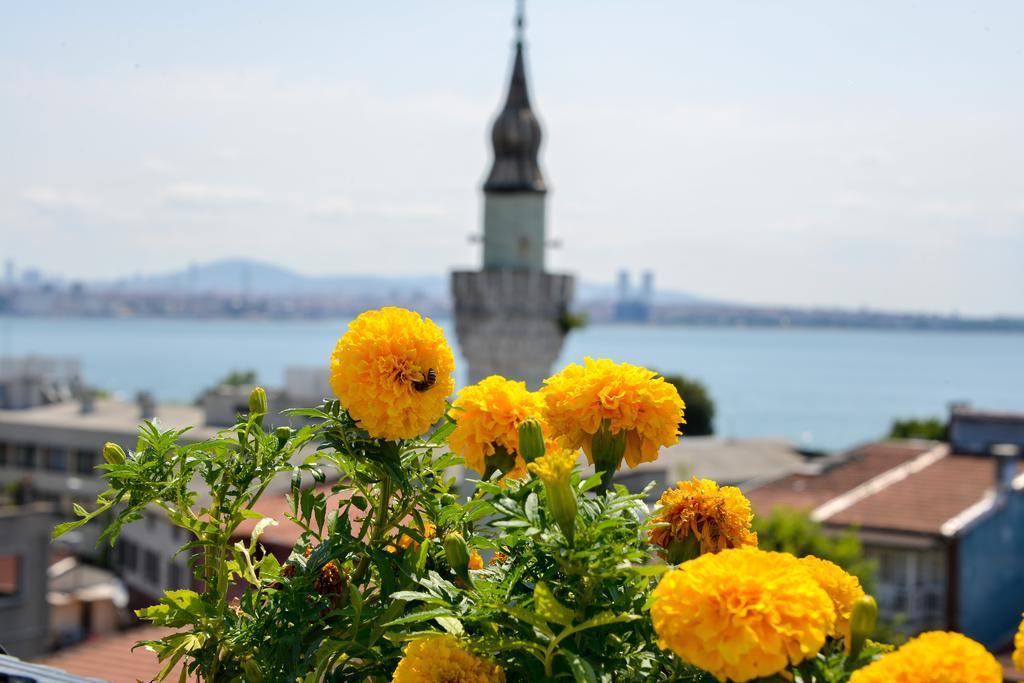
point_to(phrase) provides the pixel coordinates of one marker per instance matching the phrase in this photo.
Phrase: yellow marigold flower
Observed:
(934, 657)
(392, 371)
(555, 466)
(843, 588)
(475, 561)
(406, 541)
(1018, 647)
(498, 558)
(440, 659)
(630, 398)
(488, 415)
(742, 613)
(700, 511)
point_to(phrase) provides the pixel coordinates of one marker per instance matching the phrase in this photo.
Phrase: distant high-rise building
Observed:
(647, 288)
(634, 307)
(623, 284)
(509, 315)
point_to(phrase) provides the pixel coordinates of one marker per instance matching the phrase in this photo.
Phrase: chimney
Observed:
(1006, 456)
(147, 405)
(87, 400)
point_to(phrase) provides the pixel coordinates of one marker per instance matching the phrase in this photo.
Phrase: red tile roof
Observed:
(926, 500)
(285, 533)
(111, 658)
(808, 491)
(917, 497)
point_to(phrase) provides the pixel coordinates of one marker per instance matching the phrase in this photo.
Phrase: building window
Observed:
(85, 462)
(3, 454)
(174, 575)
(55, 459)
(10, 576)
(25, 456)
(129, 555)
(151, 567)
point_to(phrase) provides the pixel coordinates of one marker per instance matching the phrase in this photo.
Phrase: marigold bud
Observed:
(531, 440)
(258, 401)
(113, 453)
(457, 553)
(863, 618)
(680, 551)
(562, 501)
(608, 449)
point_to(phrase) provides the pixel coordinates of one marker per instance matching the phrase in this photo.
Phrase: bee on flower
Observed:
(698, 517)
(392, 371)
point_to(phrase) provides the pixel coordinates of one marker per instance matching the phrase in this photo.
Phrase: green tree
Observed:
(239, 378)
(700, 409)
(931, 428)
(792, 531)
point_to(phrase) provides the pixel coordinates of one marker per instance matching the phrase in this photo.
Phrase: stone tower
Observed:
(509, 316)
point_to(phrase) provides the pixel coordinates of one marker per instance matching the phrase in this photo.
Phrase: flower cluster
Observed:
(441, 659)
(934, 657)
(570, 592)
(742, 613)
(844, 589)
(392, 370)
(701, 512)
(488, 415)
(626, 398)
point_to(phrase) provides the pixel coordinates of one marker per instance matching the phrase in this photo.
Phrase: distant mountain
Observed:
(238, 276)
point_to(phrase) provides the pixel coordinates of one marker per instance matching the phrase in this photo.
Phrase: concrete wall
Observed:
(514, 230)
(508, 322)
(991, 575)
(156, 537)
(24, 617)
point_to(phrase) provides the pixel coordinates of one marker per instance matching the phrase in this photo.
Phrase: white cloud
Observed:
(50, 199)
(202, 196)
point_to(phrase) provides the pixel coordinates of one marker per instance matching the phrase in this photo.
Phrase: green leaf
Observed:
(581, 669)
(531, 508)
(258, 530)
(529, 617)
(604, 619)
(450, 624)
(415, 617)
(547, 606)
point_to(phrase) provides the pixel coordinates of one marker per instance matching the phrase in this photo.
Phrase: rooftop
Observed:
(910, 487)
(727, 461)
(107, 416)
(111, 658)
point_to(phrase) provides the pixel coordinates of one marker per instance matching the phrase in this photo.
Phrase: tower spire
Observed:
(516, 134)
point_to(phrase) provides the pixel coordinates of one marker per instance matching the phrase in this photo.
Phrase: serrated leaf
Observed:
(547, 606)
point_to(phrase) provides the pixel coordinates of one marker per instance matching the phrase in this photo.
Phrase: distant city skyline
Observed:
(795, 153)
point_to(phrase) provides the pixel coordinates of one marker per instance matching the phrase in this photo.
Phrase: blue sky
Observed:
(811, 153)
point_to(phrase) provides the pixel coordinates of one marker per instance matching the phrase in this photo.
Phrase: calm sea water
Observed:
(822, 388)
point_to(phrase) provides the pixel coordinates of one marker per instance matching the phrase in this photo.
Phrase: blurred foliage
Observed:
(931, 428)
(792, 531)
(238, 378)
(700, 408)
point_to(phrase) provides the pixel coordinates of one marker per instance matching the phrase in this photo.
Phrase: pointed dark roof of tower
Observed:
(516, 139)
